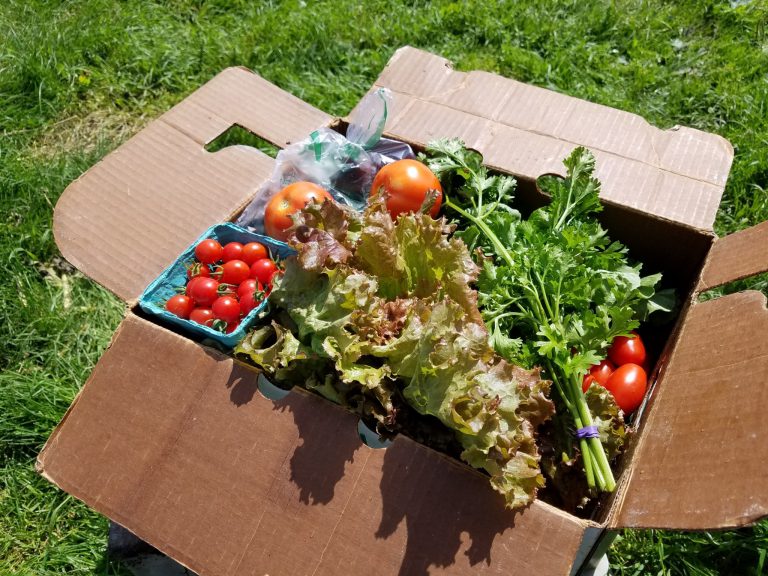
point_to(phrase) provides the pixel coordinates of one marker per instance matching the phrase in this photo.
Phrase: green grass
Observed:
(739, 552)
(79, 77)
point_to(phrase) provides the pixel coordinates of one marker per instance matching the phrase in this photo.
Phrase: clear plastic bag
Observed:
(345, 166)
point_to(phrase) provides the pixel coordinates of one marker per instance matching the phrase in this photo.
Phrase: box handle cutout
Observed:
(269, 390)
(367, 436)
(757, 282)
(371, 438)
(738, 256)
(236, 135)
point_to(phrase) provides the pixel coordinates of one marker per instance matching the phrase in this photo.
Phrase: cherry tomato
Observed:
(226, 308)
(231, 327)
(406, 183)
(250, 301)
(202, 316)
(232, 251)
(203, 291)
(198, 269)
(292, 198)
(253, 251)
(602, 371)
(180, 305)
(587, 382)
(192, 281)
(248, 286)
(263, 270)
(628, 384)
(209, 251)
(627, 350)
(233, 272)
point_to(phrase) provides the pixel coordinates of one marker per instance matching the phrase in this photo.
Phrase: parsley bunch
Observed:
(554, 290)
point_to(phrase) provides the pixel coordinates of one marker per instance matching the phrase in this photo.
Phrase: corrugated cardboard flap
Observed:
(736, 256)
(175, 442)
(678, 174)
(700, 459)
(129, 216)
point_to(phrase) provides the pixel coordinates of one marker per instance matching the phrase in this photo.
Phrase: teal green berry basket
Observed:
(153, 300)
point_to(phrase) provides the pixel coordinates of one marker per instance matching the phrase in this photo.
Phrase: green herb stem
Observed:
(567, 210)
(500, 248)
(589, 466)
(594, 472)
(601, 460)
(543, 298)
(558, 385)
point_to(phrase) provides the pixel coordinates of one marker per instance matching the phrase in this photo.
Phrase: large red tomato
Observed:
(406, 183)
(602, 371)
(628, 384)
(625, 350)
(292, 198)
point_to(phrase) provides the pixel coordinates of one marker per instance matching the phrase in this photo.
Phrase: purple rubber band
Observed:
(587, 432)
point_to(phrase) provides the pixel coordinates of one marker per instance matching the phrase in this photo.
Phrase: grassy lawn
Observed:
(77, 78)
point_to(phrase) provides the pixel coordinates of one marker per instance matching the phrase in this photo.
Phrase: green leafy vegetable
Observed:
(554, 290)
(382, 312)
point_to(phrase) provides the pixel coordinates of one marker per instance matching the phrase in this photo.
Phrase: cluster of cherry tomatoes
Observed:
(623, 373)
(224, 284)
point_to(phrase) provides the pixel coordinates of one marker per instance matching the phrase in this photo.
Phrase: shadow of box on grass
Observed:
(153, 299)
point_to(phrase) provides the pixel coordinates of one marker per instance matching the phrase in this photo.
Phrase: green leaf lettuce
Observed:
(386, 309)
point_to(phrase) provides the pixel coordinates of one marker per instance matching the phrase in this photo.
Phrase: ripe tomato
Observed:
(263, 270)
(202, 316)
(197, 269)
(628, 384)
(250, 301)
(203, 291)
(180, 305)
(602, 371)
(231, 327)
(232, 251)
(587, 382)
(233, 272)
(406, 183)
(209, 251)
(292, 198)
(253, 251)
(192, 281)
(226, 308)
(626, 350)
(247, 287)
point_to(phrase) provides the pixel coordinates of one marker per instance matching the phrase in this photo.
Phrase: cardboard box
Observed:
(173, 440)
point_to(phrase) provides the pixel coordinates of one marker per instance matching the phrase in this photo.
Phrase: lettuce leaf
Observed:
(387, 309)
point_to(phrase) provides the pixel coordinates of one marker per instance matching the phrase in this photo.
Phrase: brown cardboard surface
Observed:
(736, 256)
(700, 460)
(128, 217)
(677, 174)
(174, 442)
